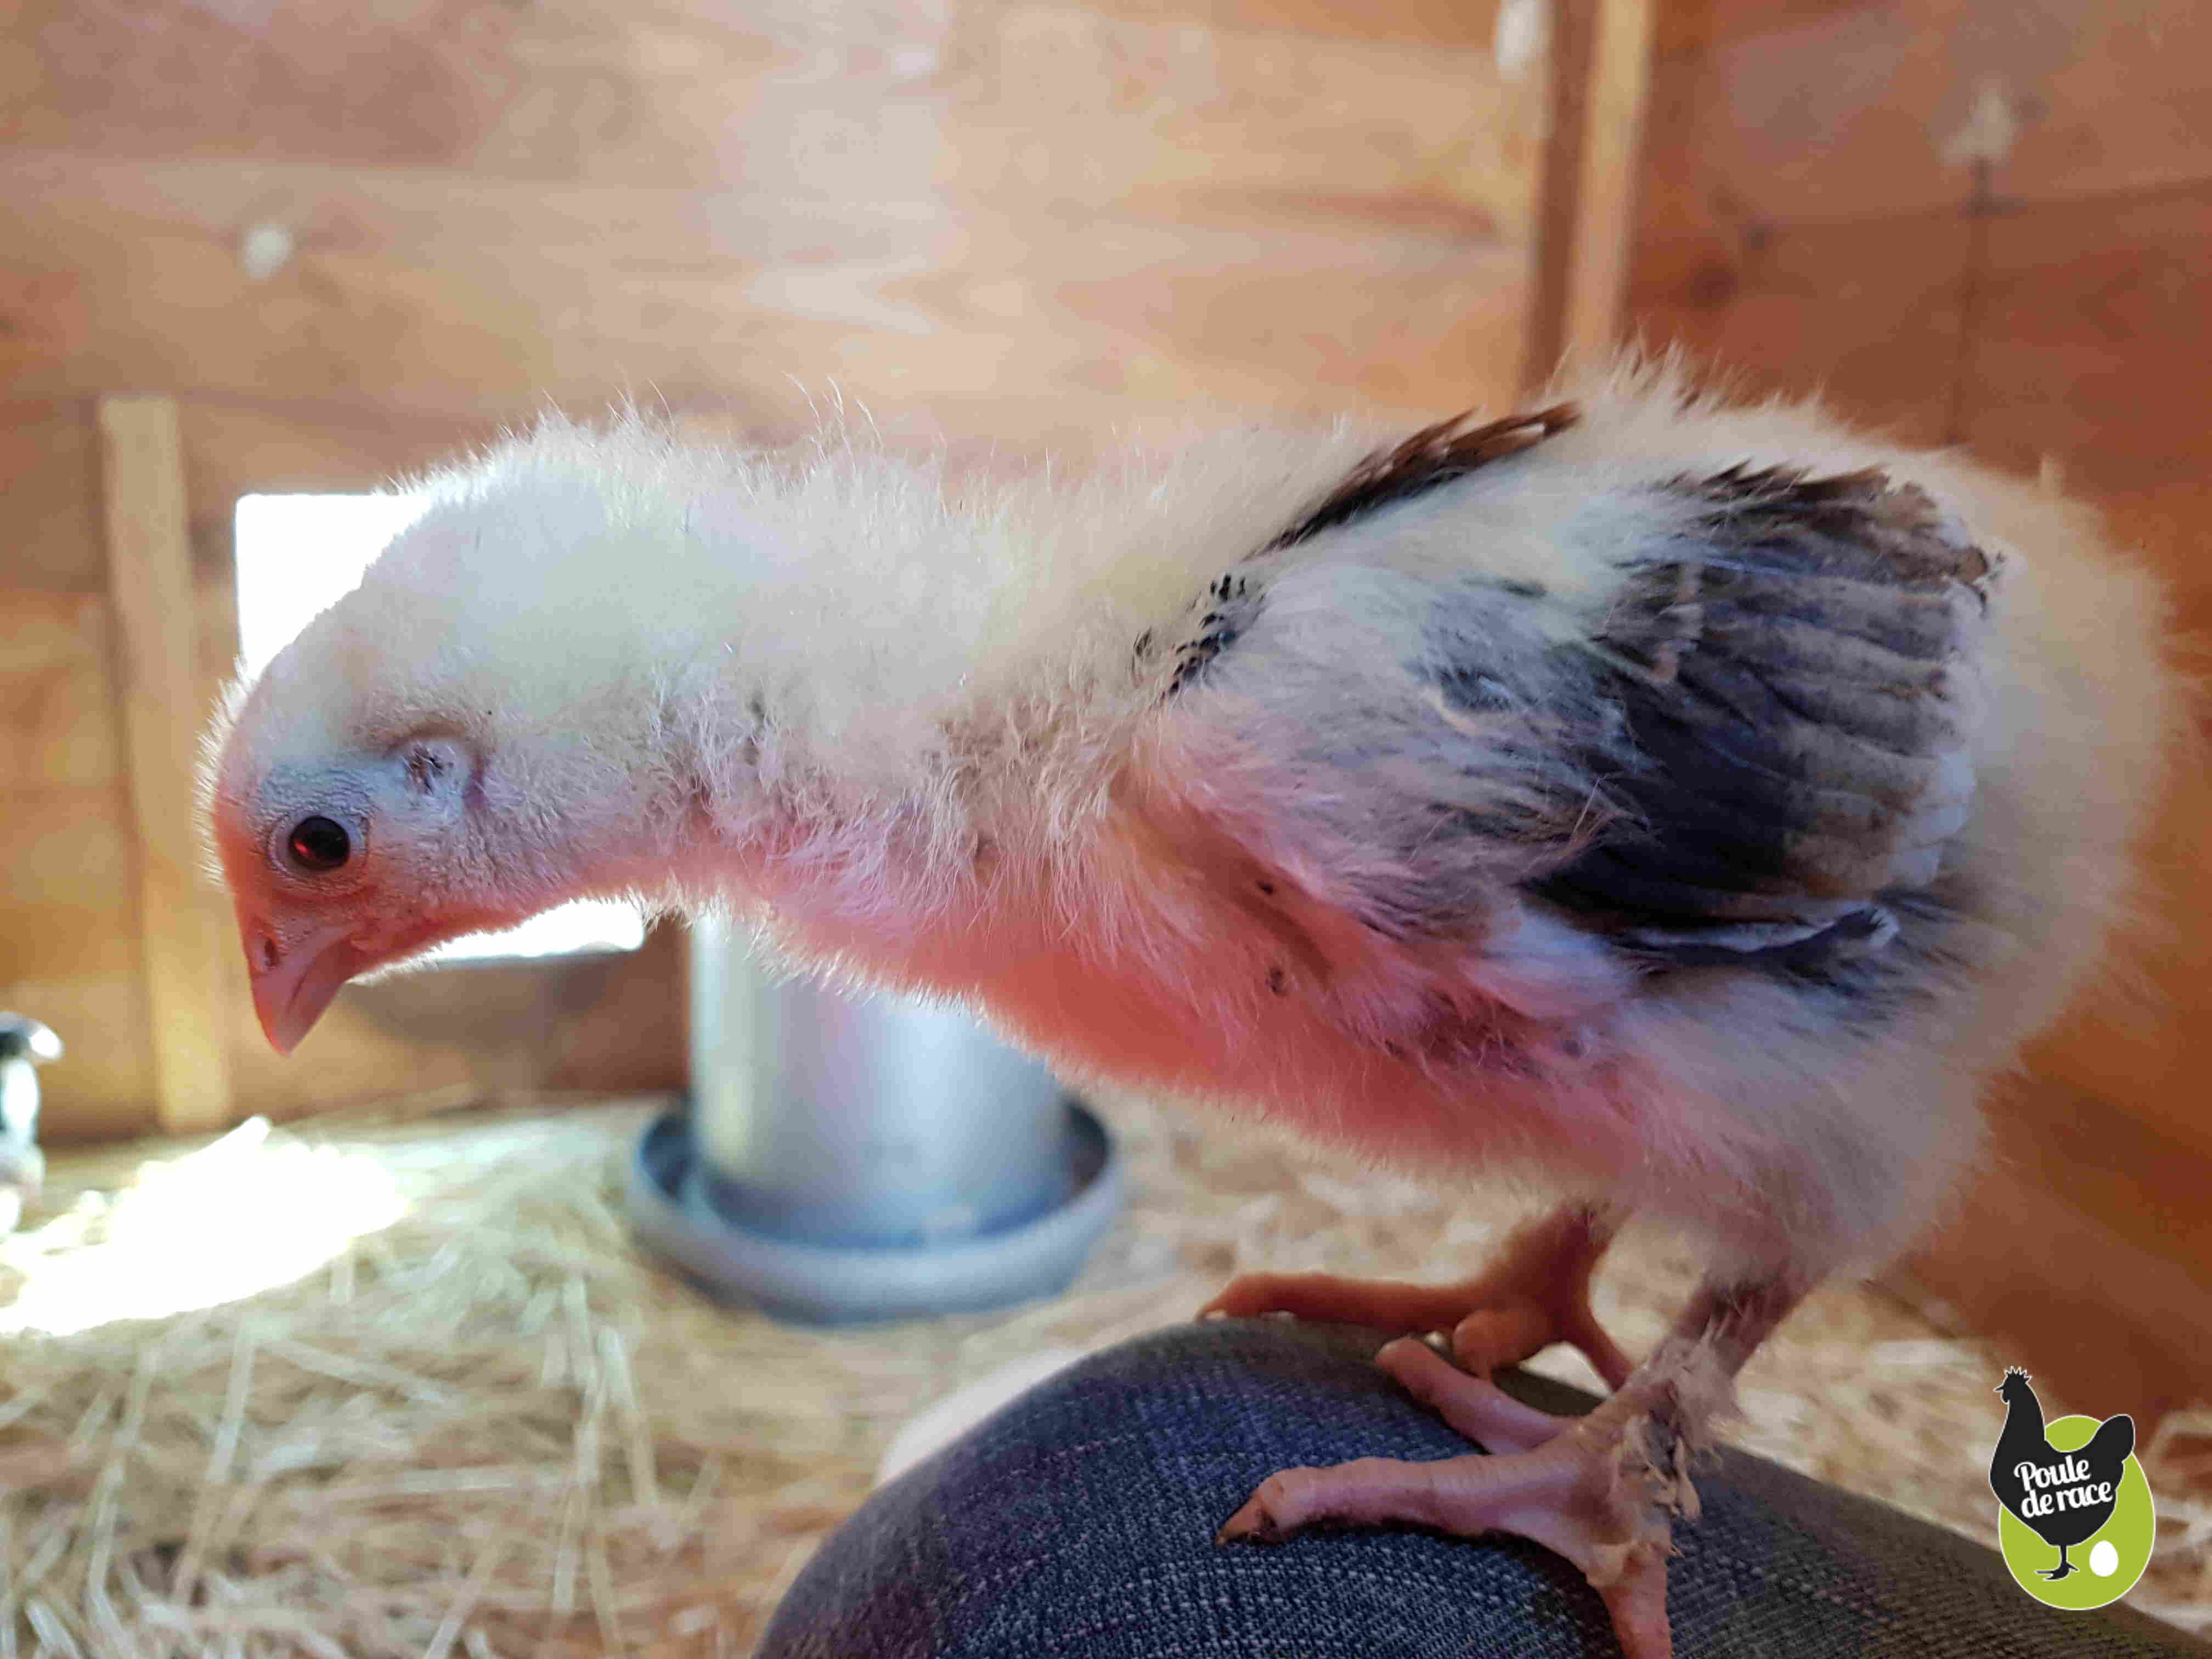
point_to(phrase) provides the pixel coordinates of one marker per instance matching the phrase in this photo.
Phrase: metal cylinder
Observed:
(865, 1157)
(871, 1120)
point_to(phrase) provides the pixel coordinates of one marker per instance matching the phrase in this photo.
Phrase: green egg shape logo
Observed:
(2074, 1519)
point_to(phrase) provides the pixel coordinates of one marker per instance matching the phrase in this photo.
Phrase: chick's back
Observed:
(1792, 776)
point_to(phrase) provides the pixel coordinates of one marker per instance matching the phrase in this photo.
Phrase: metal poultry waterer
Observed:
(850, 1158)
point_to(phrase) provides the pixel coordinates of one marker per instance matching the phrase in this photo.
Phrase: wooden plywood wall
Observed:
(345, 240)
(68, 920)
(988, 208)
(1991, 224)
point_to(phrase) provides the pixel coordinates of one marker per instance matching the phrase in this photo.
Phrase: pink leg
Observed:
(1603, 1490)
(1535, 1292)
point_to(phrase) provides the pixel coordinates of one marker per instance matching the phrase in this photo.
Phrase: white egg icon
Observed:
(2104, 1560)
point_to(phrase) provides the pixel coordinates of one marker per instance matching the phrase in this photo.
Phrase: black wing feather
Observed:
(1432, 457)
(1792, 676)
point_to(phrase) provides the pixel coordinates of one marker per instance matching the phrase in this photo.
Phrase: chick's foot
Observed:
(1601, 1490)
(1535, 1292)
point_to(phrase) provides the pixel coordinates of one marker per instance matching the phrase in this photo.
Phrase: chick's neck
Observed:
(858, 799)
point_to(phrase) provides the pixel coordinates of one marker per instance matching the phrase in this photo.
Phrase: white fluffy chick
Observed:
(1688, 806)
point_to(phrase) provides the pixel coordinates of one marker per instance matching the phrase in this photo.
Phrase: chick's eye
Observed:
(318, 844)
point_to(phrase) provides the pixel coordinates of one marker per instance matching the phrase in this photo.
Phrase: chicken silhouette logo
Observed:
(2065, 1484)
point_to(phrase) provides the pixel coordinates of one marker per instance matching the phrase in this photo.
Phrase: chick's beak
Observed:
(294, 978)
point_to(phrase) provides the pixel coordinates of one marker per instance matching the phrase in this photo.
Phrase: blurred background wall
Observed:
(337, 241)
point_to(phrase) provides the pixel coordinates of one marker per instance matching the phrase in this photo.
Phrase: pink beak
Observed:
(294, 981)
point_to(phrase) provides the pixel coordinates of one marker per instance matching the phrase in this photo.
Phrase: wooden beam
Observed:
(149, 576)
(1601, 55)
(1606, 210)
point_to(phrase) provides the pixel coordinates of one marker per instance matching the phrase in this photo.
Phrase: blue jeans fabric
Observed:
(1079, 1520)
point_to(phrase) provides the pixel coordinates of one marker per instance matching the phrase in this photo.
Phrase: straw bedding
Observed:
(471, 1422)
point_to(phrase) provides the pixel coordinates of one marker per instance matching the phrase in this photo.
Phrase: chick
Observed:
(25, 1045)
(1681, 806)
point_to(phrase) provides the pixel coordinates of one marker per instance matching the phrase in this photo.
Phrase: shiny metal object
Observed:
(865, 1157)
(836, 1119)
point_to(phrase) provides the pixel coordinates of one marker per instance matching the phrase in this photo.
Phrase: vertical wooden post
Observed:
(1601, 54)
(150, 586)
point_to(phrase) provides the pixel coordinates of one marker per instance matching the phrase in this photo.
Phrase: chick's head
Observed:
(347, 844)
(379, 788)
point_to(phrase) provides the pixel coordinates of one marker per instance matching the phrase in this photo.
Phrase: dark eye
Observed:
(318, 844)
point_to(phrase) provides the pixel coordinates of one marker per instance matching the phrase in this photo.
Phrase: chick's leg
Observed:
(1603, 1490)
(1535, 1292)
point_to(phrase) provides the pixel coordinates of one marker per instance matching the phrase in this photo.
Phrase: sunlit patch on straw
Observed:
(242, 1216)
